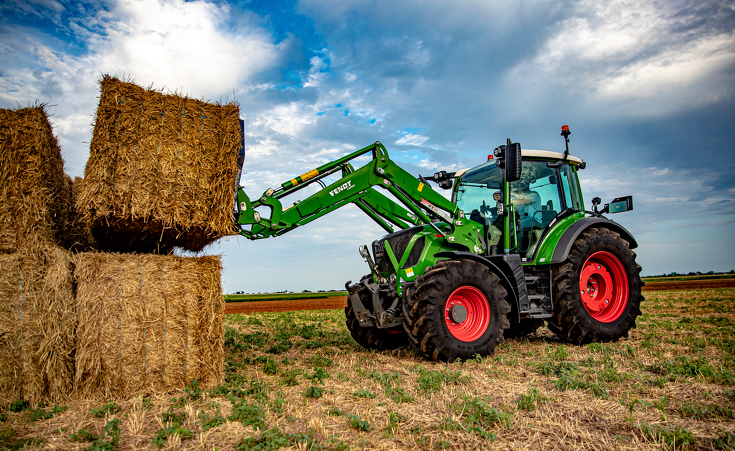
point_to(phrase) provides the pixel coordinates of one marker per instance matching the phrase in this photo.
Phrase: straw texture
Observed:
(36, 326)
(161, 170)
(35, 198)
(79, 235)
(147, 323)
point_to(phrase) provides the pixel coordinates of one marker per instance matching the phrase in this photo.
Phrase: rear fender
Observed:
(565, 243)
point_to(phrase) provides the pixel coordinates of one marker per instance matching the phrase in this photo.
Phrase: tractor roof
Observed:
(549, 154)
(535, 154)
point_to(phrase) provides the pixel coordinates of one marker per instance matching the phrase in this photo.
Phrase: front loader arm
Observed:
(422, 204)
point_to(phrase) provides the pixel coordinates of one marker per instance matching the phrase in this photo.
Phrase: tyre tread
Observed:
(571, 322)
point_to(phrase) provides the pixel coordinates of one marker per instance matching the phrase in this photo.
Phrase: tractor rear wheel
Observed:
(371, 337)
(456, 310)
(597, 290)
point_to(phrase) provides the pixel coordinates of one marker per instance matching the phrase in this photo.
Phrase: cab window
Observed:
(571, 190)
(536, 195)
(475, 193)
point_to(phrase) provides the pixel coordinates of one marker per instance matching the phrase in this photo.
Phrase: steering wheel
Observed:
(485, 211)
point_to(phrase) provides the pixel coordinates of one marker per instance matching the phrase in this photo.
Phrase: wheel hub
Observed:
(603, 286)
(458, 313)
(599, 286)
(467, 314)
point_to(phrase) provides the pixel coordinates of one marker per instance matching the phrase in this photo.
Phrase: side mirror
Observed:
(513, 161)
(620, 204)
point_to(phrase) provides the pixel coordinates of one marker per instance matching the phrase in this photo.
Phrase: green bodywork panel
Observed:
(433, 244)
(546, 249)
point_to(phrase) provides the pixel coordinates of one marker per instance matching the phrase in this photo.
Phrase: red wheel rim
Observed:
(467, 314)
(603, 286)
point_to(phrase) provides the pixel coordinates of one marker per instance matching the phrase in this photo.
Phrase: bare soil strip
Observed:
(689, 284)
(328, 303)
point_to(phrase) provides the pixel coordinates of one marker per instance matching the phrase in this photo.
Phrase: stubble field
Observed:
(297, 380)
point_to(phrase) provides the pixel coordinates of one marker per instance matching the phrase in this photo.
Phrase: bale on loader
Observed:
(35, 198)
(161, 170)
(147, 323)
(37, 321)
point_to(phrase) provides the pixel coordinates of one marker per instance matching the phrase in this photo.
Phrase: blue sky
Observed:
(648, 89)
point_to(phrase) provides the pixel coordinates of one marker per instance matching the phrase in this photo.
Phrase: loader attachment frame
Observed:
(419, 203)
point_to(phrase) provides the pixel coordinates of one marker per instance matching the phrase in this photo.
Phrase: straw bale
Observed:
(36, 326)
(147, 323)
(161, 170)
(35, 198)
(78, 237)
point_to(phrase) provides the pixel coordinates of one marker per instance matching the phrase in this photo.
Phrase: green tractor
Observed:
(513, 248)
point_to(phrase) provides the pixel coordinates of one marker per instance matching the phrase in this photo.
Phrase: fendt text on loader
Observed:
(513, 248)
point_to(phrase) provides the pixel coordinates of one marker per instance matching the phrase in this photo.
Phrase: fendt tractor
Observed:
(512, 249)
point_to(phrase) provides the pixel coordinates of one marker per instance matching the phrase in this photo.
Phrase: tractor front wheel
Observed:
(456, 310)
(371, 337)
(597, 290)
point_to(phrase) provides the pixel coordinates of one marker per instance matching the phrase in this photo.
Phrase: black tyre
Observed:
(456, 310)
(597, 290)
(523, 329)
(372, 337)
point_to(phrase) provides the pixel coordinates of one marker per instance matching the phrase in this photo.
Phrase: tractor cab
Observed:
(547, 191)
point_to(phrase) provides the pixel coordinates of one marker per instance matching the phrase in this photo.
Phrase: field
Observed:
(297, 380)
(281, 296)
(697, 277)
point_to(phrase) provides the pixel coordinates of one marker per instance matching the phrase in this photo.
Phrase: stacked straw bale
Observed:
(79, 237)
(147, 323)
(35, 196)
(37, 322)
(161, 171)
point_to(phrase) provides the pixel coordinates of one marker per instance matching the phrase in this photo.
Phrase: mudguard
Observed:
(564, 245)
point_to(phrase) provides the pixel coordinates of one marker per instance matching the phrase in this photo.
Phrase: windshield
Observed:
(537, 198)
(477, 188)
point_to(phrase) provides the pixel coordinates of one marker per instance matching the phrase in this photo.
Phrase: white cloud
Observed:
(183, 45)
(409, 139)
(317, 72)
(630, 61)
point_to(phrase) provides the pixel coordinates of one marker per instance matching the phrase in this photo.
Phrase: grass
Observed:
(281, 296)
(297, 380)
